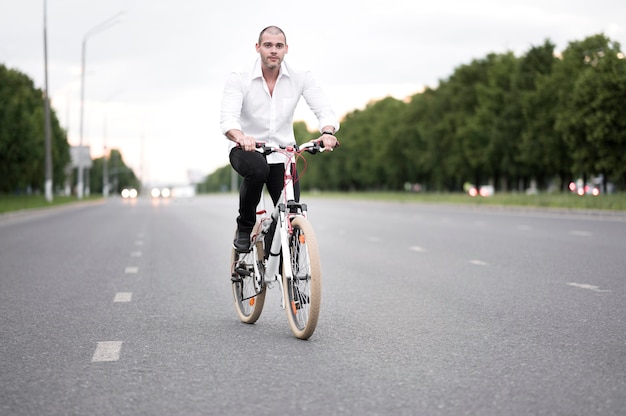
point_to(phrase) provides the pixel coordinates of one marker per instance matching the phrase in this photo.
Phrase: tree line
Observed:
(22, 147)
(539, 120)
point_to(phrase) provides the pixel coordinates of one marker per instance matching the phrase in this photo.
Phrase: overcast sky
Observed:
(154, 79)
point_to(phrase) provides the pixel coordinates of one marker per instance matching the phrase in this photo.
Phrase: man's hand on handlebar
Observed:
(328, 141)
(247, 143)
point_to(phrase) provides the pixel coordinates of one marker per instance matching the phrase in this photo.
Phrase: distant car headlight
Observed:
(129, 193)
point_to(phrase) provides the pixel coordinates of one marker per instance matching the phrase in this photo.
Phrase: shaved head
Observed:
(273, 30)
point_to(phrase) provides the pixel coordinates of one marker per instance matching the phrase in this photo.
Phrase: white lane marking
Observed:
(418, 249)
(581, 233)
(139, 243)
(123, 297)
(373, 239)
(587, 287)
(478, 263)
(107, 351)
(135, 253)
(131, 270)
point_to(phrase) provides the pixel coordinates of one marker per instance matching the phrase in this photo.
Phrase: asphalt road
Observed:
(124, 308)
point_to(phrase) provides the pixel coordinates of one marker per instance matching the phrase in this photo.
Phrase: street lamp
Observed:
(97, 29)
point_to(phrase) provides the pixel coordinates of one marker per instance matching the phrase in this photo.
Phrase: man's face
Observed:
(272, 50)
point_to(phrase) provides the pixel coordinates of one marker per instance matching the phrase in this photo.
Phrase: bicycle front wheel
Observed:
(303, 292)
(248, 289)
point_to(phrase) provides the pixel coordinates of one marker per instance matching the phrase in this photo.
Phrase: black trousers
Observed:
(256, 172)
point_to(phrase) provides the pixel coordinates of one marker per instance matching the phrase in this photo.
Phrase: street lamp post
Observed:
(97, 29)
(105, 167)
(47, 128)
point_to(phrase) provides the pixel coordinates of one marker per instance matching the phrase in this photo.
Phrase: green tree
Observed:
(120, 175)
(571, 74)
(498, 117)
(543, 152)
(219, 181)
(462, 126)
(599, 108)
(22, 149)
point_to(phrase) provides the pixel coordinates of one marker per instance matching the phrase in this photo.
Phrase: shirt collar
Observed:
(257, 73)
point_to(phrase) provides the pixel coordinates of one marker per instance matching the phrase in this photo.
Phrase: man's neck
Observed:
(271, 74)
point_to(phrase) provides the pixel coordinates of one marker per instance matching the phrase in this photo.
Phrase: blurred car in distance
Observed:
(160, 192)
(485, 191)
(129, 193)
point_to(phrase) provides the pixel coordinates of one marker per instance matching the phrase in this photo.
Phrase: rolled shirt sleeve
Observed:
(232, 100)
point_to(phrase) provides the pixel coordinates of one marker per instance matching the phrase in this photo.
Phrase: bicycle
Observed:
(284, 240)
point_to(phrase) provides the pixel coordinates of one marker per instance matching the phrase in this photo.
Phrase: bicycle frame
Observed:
(281, 215)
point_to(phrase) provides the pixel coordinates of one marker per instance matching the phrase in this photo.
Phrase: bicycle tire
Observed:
(248, 293)
(303, 293)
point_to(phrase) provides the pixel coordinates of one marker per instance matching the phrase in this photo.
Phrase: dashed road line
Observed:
(123, 297)
(107, 351)
(581, 233)
(587, 287)
(479, 263)
(417, 248)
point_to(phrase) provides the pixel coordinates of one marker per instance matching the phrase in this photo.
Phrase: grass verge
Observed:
(612, 202)
(11, 203)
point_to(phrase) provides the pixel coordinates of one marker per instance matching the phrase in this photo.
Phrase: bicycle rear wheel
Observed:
(248, 289)
(303, 293)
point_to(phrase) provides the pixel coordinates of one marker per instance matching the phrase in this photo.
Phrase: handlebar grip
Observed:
(321, 143)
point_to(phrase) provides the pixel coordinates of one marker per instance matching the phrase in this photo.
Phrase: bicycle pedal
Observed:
(243, 272)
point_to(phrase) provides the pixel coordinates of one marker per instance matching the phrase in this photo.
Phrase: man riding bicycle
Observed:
(258, 103)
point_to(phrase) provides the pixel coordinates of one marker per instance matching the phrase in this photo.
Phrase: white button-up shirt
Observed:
(248, 106)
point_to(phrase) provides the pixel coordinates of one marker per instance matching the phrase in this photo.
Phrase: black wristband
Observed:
(328, 132)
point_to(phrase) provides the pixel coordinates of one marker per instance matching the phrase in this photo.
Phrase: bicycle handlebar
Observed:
(312, 147)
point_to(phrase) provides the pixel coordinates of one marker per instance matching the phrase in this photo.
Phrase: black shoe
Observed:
(242, 242)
